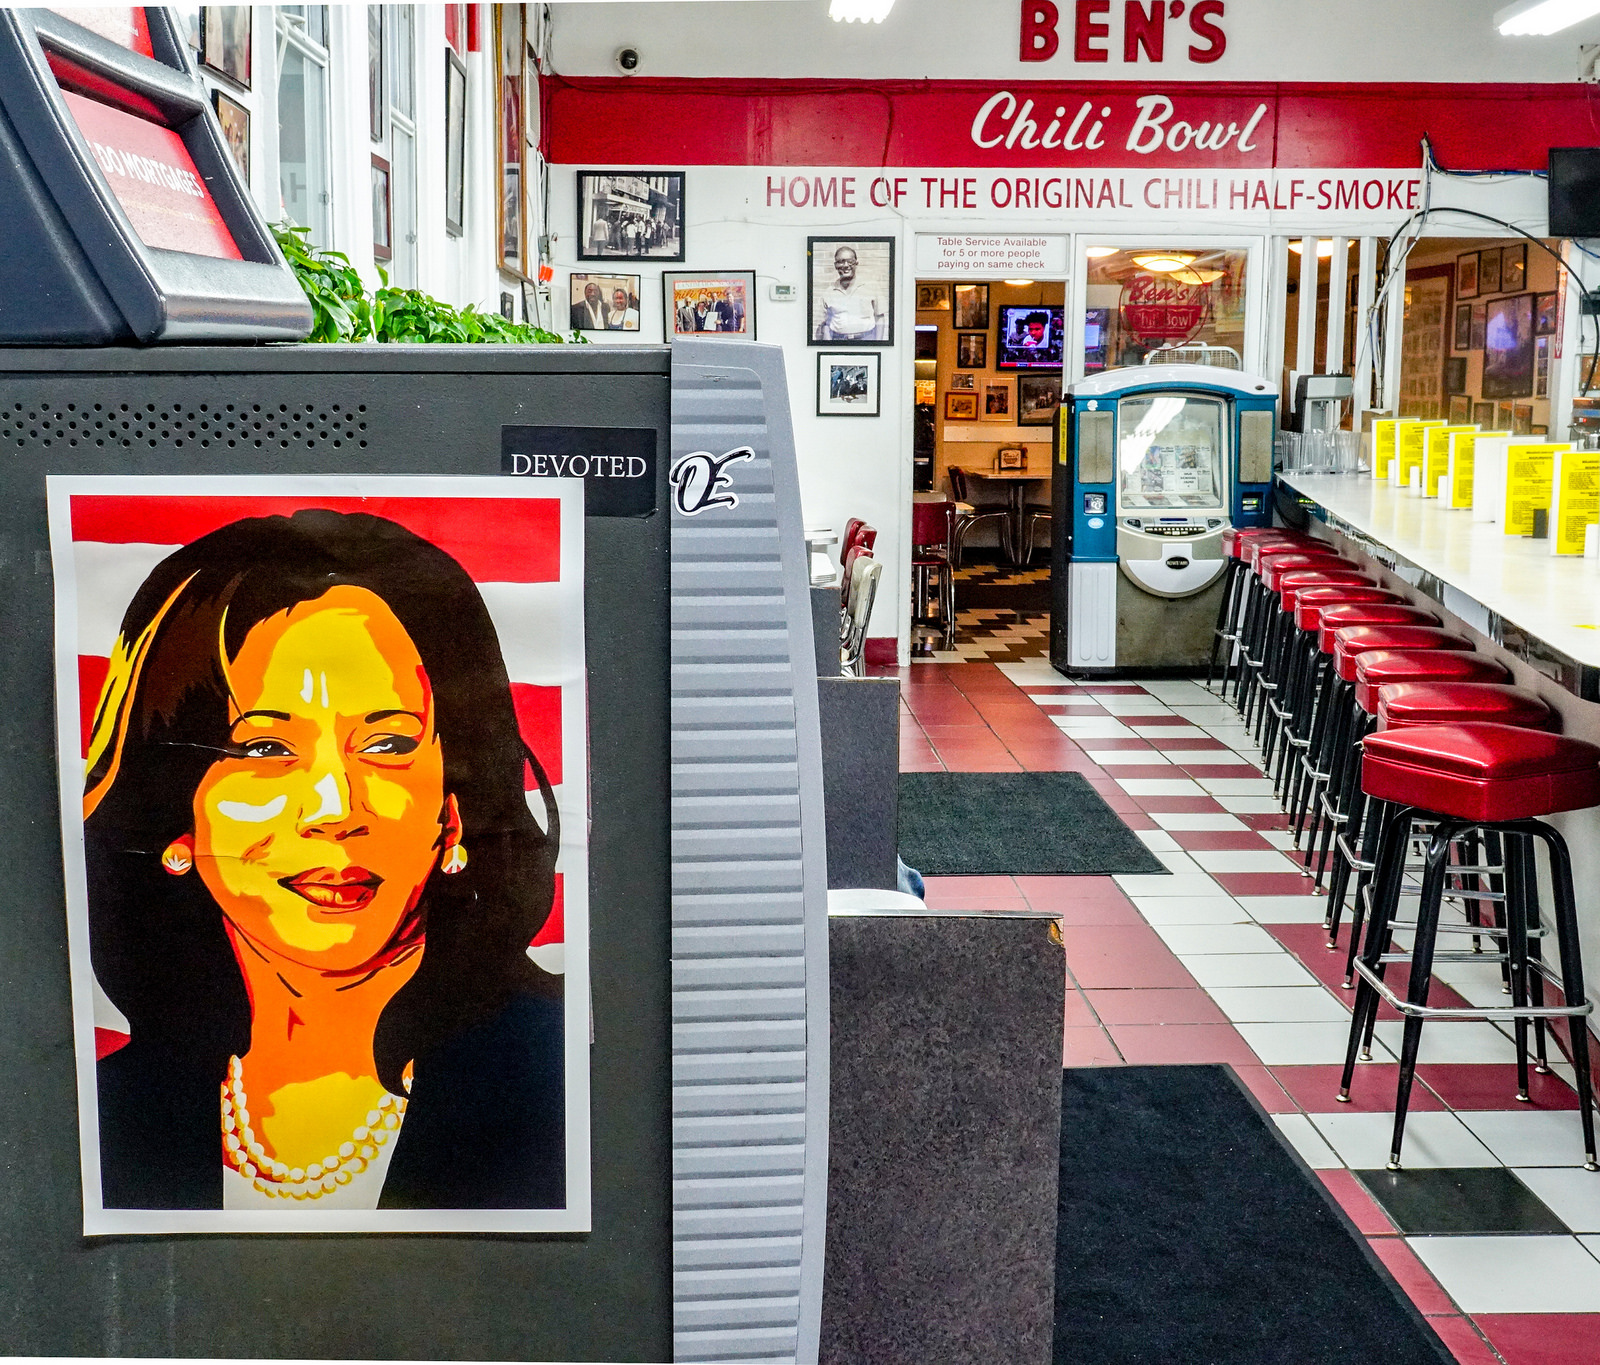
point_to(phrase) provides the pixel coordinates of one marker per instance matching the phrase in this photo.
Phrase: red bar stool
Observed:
(1401, 704)
(1483, 778)
(1271, 563)
(1375, 670)
(1236, 543)
(1349, 643)
(932, 533)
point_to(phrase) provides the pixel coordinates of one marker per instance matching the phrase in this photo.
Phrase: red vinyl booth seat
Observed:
(1335, 619)
(1310, 603)
(1297, 581)
(1383, 667)
(1446, 703)
(1353, 641)
(1481, 772)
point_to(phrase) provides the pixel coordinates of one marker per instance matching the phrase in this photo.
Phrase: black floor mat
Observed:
(1188, 1231)
(1023, 824)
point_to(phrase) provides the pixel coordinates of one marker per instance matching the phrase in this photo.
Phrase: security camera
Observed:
(627, 60)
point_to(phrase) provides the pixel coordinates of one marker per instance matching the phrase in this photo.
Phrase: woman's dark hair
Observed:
(157, 941)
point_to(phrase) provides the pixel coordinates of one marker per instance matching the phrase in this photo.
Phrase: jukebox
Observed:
(1155, 463)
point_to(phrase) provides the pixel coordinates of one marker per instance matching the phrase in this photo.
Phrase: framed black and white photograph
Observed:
(630, 215)
(1483, 416)
(851, 290)
(1489, 271)
(603, 303)
(971, 306)
(972, 350)
(1544, 314)
(1461, 410)
(1480, 323)
(1514, 267)
(1463, 339)
(933, 298)
(235, 121)
(382, 212)
(455, 144)
(225, 41)
(1467, 276)
(1038, 399)
(847, 383)
(1455, 374)
(958, 380)
(709, 303)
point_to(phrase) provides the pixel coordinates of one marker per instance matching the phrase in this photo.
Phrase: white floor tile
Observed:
(1192, 732)
(1075, 706)
(1193, 820)
(1180, 692)
(1280, 1005)
(1433, 1138)
(1308, 1142)
(1573, 1194)
(1285, 909)
(1279, 838)
(1311, 1043)
(1247, 969)
(1244, 860)
(1122, 758)
(1159, 885)
(1158, 841)
(1180, 863)
(1530, 1137)
(1093, 727)
(1213, 758)
(1120, 705)
(1237, 786)
(1249, 805)
(1206, 940)
(1209, 714)
(1513, 1274)
(1443, 1041)
(1035, 671)
(1159, 786)
(1160, 910)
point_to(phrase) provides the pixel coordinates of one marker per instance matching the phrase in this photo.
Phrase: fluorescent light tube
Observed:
(1543, 16)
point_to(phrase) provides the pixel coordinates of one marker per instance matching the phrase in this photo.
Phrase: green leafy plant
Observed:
(343, 310)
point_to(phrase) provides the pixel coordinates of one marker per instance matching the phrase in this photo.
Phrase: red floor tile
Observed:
(1209, 770)
(1161, 1005)
(1214, 840)
(1269, 1094)
(1420, 1286)
(1488, 1086)
(1097, 689)
(1053, 690)
(1114, 957)
(1181, 1044)
(1543, 1338)
(920, 763)
(1264, 883)
(1267, 820)
(943, 731)
(1316, 1089)
(1464, 1342)
(1145, 770)
(1170, 720)
(1138, 820)
(1123, 745)
(1077, 1013)
(1363, 1209)
(1181, 805)
(978, 759)
(1056, 893)
(1088, 1047)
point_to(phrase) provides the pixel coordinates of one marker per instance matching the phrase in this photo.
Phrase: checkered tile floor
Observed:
(1493, 1228)
(1013, 631)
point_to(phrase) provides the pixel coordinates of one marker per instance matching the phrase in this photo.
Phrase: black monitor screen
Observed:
(1575, 191)
(1031, 337)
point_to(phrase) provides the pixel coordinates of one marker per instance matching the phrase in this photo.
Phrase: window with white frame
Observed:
(392, 92)
(303, 183)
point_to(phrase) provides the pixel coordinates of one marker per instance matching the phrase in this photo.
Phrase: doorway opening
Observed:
(988, 379)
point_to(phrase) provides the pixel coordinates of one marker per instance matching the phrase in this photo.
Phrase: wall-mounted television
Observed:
(1030, 337)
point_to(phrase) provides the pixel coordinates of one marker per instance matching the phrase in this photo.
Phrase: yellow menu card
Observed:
(1436, 456)
(1575, 499)
(1409, 438)
(1382, 446)
(1530, 467)
(1459, 470)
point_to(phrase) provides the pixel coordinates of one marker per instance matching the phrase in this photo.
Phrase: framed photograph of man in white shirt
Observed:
(852, 290)
(604, 303)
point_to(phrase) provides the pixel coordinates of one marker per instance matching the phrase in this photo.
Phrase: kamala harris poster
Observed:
(322, 750)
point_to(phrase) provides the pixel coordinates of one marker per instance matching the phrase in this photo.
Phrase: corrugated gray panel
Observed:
(749, 900)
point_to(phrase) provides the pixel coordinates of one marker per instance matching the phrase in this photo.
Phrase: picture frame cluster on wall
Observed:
(1494, 270)
(850, 300)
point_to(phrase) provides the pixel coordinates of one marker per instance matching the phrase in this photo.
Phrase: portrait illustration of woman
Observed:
(313, 873)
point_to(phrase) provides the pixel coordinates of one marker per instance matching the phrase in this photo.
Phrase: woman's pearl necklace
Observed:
(242, 1149)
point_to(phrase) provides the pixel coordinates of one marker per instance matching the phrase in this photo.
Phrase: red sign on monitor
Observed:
(154, 179)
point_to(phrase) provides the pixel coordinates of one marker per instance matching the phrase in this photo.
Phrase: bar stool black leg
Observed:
(1438, 859)
(1533, 958)
(1391, 867)
(1566, 916)
(1517, 879)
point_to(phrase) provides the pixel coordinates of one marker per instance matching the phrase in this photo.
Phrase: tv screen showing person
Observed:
(1030, 337)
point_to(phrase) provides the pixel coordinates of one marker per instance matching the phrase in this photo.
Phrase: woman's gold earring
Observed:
(178, 856)
(455, 859)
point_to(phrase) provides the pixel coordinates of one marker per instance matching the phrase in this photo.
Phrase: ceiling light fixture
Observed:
(1197, 276)
(1096, 253)
(859, 11)
(1539, 17)
(1017, 284)
(1163, 263)
(1324, 244)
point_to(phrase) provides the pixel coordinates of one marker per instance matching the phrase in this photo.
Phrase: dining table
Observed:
(1016, 482)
